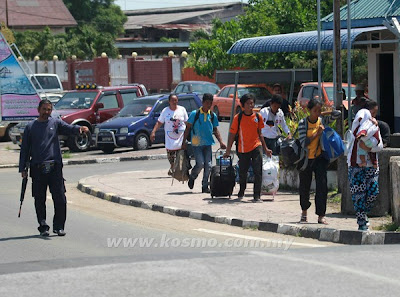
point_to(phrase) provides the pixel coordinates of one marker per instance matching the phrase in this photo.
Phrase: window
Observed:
(109, 101)
(161, 105)
(308, 92)
(128, 97)
(231, 91)
(179, 89)
(185, 102)
(224, 93)
(185, 89)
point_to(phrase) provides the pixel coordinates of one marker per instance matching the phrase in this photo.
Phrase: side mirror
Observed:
(231, 96)
(99, 105)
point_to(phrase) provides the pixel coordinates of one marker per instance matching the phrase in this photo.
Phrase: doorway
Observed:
(386, 89)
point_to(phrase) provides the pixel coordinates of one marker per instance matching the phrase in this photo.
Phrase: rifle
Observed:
(23, 189)
(24, 184)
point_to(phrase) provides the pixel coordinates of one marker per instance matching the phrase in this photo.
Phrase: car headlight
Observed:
(96, 130)
(124, 130)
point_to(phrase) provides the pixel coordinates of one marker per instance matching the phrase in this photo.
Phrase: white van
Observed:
(49, 83)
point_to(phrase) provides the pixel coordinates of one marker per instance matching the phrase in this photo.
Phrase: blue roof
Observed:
(294, 42)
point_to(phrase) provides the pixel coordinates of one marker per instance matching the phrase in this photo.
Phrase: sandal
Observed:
(322, 221)
(303, 219)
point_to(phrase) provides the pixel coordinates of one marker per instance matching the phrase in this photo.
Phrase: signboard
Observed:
(19, 99)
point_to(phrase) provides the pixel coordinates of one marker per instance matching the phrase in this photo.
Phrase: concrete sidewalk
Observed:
(153, 190)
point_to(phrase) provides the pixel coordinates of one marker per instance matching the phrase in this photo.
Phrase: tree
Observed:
(264, 18)
(99, 23)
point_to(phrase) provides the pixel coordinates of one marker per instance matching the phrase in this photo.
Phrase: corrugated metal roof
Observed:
(293, 42)
(36, 13)
(366, 13)
(138, 21)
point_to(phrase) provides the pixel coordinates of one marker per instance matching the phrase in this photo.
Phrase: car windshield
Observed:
(261, 93)
(329, 92)
(76, 100)
(138, 108)
(205, 88)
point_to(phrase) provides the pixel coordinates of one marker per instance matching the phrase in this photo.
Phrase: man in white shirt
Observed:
(273, 117)
(174, 118)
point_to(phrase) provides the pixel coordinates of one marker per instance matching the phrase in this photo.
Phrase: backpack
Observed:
(240, 114)
(180, 170)
(196, 117)
(332, 144)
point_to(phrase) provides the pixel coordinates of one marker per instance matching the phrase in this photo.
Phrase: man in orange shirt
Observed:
(250, 145)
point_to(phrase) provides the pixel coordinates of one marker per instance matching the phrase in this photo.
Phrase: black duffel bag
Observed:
(290, 150)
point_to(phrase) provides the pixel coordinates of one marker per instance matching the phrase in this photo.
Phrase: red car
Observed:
(92, 106)
(222, 103)
(310, 90)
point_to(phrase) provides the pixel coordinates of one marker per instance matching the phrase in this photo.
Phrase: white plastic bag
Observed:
(270, 176)
(348, 141)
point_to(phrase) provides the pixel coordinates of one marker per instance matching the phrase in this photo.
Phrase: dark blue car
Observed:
(132, 126)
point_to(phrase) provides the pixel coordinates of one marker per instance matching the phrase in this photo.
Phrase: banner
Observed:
(19, 99)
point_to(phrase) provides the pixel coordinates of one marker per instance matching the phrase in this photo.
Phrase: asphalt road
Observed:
(112, 250)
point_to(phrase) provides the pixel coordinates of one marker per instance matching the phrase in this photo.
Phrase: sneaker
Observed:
(257, 199)
(191, 183)
(45, 233)
(205, 190)
(59, 232)
(170, 172)
(363, 228)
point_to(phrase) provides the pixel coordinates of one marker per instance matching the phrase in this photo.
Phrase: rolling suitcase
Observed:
(222, 178)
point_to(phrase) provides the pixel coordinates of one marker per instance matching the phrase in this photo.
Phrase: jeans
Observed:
(319, 167)
(203, 157)
(255, 158)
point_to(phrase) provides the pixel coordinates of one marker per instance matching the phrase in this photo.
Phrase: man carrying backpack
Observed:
(202, 124)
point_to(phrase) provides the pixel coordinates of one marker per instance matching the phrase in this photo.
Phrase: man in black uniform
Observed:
(41, 148)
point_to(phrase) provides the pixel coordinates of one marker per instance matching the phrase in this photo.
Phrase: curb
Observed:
(102, 160)
(322, 234)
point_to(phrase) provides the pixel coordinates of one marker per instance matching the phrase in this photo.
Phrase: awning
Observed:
(294, 42)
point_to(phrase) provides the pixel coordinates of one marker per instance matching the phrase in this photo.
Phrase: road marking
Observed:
(256, 238)
(361, 273)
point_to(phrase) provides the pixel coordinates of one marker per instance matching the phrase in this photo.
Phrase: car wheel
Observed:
(107, 148)
(80, 143)
(216, 111)
(238, 110)
(7, 136)
(142, 142)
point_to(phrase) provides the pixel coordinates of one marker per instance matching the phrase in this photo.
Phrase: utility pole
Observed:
(338, 64)
(7, 13)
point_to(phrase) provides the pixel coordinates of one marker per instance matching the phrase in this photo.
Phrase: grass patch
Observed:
(8, 148)
(334, 196)
(254, 228)
(66, 155)
(388, 227)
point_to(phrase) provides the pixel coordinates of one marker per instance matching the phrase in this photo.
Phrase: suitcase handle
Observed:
(221, 153)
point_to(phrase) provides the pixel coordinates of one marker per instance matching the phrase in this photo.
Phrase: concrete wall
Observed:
(395, 184)
(290, 179)
(383, 204)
